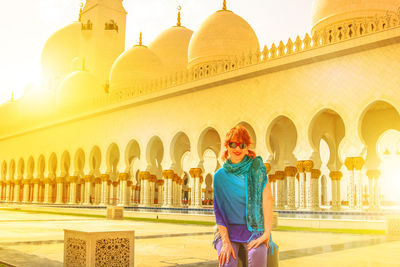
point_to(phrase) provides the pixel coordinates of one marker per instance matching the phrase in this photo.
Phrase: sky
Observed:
(26, 25)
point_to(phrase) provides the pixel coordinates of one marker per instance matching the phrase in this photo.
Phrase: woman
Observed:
(243, 202)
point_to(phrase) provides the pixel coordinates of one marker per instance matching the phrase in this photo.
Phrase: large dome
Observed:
(135, 66)
(223, 35)
(59, 51)
(171, 46)
(78, 87)
(330, 12)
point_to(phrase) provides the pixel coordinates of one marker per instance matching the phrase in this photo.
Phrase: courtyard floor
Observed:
(28, 239)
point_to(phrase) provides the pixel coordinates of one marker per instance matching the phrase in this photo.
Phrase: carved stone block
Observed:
(393, 226)
(115, 248)
(275, 221)
(115, 213)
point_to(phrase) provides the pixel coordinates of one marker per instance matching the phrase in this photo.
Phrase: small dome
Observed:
(330, 12)
(223, 35)
(77, 87)
(136, 65)
(59, 51)
(171, 46)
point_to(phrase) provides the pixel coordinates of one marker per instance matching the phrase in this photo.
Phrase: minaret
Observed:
(103, 35)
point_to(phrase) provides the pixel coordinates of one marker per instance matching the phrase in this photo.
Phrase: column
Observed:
(371, 191)
(308, 165)
(349, 162)
(272, 180)
(1, 191)
(141, 198)
(302, 177)
(88, 189)
(315, 174)
(195, 173)
(280, 176)
(123, 183)
(46, 191)
(17, 189)
(358, 164)
(377, 191)
(152, 188)
(144, 198)
(36, 190)
(297, 193)
(129, 193)
(82, 191)
(160, 184)
(336, 176)
(25, 196)
(168, 176)
(72, 189)
(290, 174)
(8, 191)
(104, 189)
(60, 187)
(200, 191)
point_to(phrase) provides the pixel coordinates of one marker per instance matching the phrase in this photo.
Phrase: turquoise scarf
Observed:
(256, 179)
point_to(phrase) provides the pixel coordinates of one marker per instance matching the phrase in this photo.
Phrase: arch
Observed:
(4, 170)
(30, 167)
(21, 168)
(132, 153)
(41, 166)
(281, 140)
(251, 131)
(210, 161)
(327, 124)
(112, 160)
(52, 165)
(154, 155)
(95, 160)
(11, 169)
(209, 139)
(371, 126)
(180, 145)
(79, 162)
(65, 164)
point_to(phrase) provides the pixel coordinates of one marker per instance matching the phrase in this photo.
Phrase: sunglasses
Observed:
(235, 144)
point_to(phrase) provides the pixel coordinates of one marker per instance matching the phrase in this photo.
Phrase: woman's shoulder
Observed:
(219, 173)
(258, 162)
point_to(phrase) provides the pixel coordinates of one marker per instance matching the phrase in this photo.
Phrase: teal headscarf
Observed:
(256, 179)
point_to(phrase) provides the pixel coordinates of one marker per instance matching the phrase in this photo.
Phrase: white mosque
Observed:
(145, 125)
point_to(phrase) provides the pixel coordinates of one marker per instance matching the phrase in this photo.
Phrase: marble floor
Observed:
(28, 239)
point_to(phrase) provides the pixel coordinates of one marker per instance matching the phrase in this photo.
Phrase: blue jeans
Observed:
(257, 257)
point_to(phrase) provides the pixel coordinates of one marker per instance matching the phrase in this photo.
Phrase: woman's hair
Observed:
(240, 134)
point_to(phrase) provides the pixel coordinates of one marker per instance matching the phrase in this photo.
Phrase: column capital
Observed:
(26, 181)
(160, 182)
(336, 175)
(349, 162)
(109, 182)
(268, 167)
(88, 178)
(315, 173)
(280, 175)
(272, 178)
(105, 177)
(168, 174)
(123, 176)
(358, 163)
(290, 171)
(153, 178)
(60, 180)
(195, 172)
(144, 175)
(36, 181)
(373, 174)
(300, 166)
(129, 183)
(308, 165)
(73, 179)
(97, 180)
(175, 177)
(115, 183)
(17, 182)
(201, 179)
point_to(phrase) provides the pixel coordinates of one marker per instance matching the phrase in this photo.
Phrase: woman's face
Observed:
(236, 153)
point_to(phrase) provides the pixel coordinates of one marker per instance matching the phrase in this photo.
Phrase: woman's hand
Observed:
(255, 243)
(225, 253)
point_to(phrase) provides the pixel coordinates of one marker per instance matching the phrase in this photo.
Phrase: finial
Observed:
(179, 16)
(80, 13)
(224, 5)
(140, 39)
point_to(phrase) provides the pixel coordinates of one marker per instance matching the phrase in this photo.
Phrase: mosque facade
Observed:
(146, 125)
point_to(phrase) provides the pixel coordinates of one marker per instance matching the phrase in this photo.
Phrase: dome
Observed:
(329, 12)
(223, 35)
(77, 87)
(59, 51)
(136, 65)
(171, 46)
